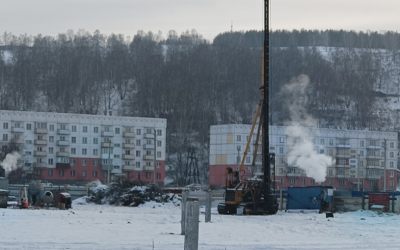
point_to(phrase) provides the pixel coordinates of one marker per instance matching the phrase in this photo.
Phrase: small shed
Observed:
(310, 198)
(379, 199)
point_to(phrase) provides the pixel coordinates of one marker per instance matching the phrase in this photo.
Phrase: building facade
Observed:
(364, 160)
(81, 148)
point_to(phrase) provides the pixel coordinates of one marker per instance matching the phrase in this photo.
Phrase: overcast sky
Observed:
(208, 17)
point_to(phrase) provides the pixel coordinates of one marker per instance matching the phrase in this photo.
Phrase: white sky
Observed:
(208, 17)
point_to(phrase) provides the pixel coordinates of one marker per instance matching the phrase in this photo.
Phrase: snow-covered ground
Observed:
(154, 226)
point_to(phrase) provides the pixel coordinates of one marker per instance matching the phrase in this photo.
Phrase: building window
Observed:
(94, 173)
(238, 138)
(84, 151)
(391, 164)
(95, 151)
(84, 162)
(49, 172)
(84, 173)
(50, 161)
(159, 132)
(391, 154)
(61, 172)
(73, 139)
(50, 150)
(159, 155)
(73, 151)
(28, 126)
(5, 137)
(138, 131)
(137, 164)
(96, 130)
(84, 140)
(5, 125)
(137, 153)
(51, 127)
(95, 140)
(72, 173)
(84, 129)
(138, 142)
(322, 141)
(158, 143)
(361, 143)
(73, 128)
(149, 131)
(392, 145)
(117, 130)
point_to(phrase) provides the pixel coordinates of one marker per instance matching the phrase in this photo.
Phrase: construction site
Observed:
(290, 186)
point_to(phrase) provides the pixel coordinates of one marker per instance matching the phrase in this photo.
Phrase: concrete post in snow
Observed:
(192, 225)
(185, 194)
(208, 206)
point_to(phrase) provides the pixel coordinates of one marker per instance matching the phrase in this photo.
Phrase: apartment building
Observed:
(363, 159)
(81, 148)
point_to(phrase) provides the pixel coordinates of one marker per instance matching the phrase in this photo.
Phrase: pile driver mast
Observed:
(269, 199)
(255, 195)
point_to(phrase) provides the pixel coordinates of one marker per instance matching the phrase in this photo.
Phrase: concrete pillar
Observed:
(185, 194)
(192, 225)
(208, 207)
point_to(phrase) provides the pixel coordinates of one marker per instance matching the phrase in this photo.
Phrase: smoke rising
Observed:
(301, 152)
(10, 162)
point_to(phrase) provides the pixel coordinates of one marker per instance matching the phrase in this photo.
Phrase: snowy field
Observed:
(158, 227)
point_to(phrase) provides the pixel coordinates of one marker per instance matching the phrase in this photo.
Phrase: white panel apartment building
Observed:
(361, 157)
(81, 148)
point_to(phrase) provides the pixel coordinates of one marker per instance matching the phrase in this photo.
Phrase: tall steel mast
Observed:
(269, 199)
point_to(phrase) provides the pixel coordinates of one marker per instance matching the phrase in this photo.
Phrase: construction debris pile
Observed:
(127, 195)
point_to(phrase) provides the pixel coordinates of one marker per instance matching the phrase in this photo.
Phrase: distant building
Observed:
(361, 157)
(80, 148)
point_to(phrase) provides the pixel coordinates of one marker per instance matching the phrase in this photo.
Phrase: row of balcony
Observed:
(127, 134)
(104, 156)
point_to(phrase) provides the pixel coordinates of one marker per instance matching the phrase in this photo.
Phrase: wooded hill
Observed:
(195, 83)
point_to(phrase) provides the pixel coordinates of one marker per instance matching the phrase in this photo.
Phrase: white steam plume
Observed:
(10, 162)
(301, 151)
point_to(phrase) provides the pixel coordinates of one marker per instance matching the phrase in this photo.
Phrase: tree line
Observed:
(192, 82)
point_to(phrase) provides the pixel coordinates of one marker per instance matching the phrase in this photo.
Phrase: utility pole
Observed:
(358, 172)
(384, 166)
(109, 163)
(155, 155)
